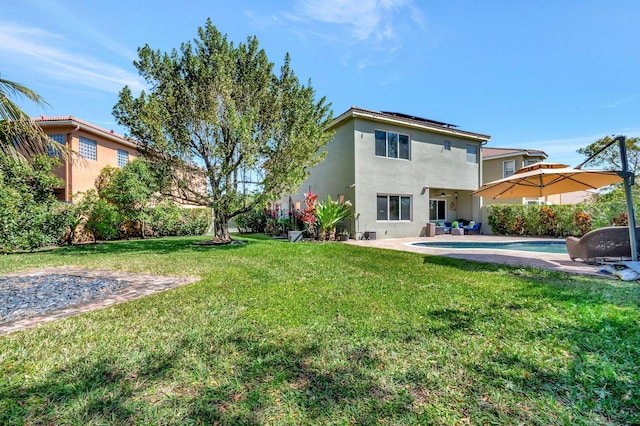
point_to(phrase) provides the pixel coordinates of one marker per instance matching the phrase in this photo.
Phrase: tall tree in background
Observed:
(19, 134)
(221, 108)
(610, 157)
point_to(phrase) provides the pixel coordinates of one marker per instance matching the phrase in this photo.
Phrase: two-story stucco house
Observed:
(96, 146)
(399, 172)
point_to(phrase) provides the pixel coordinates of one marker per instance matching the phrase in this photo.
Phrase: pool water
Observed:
(535, 246)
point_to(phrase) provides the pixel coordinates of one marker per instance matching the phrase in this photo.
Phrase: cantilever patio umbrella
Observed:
(543, 179)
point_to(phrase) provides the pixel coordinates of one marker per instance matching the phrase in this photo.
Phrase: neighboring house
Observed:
(399, 172)
(96, 146)
(499, 163)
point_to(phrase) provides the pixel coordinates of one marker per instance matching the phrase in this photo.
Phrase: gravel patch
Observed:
(24, 297)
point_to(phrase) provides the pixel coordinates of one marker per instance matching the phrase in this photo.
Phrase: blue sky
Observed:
(549, 75)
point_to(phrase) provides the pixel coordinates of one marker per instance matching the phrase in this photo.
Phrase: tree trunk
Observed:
(221, 226)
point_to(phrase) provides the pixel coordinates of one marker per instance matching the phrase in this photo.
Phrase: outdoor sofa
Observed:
(601, 245)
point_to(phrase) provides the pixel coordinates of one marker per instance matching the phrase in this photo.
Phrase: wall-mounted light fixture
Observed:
(341, 198)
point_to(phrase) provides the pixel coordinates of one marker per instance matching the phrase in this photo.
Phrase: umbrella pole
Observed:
(629, 198)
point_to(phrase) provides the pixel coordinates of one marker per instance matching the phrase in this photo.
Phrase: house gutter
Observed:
(515, 154)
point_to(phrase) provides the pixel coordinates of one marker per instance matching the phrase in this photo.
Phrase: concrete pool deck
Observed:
(554, 261)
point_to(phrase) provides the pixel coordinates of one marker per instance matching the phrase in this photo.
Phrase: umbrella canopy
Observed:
(542, 179)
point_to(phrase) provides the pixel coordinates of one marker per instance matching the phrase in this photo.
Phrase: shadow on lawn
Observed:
(83, 392)
(151, 245)
(98, 391)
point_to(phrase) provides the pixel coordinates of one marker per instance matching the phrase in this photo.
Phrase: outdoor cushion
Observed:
(474, 229)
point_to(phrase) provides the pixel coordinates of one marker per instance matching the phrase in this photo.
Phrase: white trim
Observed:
(51, 124)
(382, 118)
(504, 175)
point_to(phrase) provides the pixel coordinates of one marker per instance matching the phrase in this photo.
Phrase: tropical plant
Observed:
(19, 134)
(328, 215)
(222, 106)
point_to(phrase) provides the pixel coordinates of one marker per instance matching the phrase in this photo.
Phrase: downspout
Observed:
(68, 168)
(480, 174)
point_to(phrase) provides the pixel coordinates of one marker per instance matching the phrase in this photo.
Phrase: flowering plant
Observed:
(309, 213)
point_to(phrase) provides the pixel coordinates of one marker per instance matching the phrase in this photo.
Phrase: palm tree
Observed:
(19, 134)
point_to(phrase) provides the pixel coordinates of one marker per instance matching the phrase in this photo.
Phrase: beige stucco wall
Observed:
(335, 175)
(429, 166)
(352, 168)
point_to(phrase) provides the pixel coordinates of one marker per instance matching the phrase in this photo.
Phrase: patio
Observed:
(553, 261)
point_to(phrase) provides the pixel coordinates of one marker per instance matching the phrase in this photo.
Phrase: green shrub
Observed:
(30, 215)
(102, 219)
(254, 221)
(167, 219)
(536, 220)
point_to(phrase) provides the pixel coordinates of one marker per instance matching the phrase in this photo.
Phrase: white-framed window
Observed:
(437, 209)
(88, 149)
(530, 162)
(447, 145)
(472, 154)
(394, 207)
(59, 138)
(392, 145)
(508, 168)
(123, 158)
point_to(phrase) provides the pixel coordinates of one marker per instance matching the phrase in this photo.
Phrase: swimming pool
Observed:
(534, 246)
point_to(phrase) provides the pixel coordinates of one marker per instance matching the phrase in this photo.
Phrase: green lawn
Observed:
(312, 333)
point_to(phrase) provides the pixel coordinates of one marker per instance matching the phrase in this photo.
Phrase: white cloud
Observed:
(618, 103)
(39, 50)
(367, 20)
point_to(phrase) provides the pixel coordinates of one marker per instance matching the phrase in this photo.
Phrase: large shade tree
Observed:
(220, 111)
(19, 134)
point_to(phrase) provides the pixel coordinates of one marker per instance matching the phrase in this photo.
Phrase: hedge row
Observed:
(553, 220)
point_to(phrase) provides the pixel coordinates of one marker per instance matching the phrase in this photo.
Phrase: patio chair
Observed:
(601, 245)
(473, 229)
(447, 227)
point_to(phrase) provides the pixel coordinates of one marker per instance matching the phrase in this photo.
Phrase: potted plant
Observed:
(296, 225)
(344, 235)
